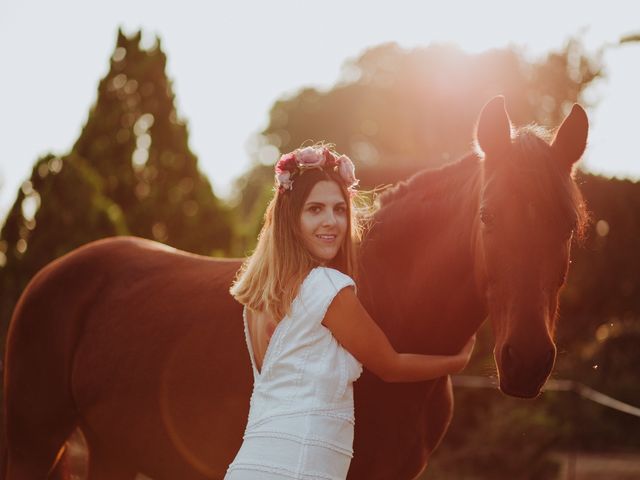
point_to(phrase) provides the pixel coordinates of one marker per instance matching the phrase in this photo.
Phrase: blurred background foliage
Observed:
(394, 111)
(129, 173)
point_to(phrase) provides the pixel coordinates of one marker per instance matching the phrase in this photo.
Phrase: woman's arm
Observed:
(352, 326)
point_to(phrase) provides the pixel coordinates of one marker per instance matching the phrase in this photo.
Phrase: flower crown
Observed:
(295, 163)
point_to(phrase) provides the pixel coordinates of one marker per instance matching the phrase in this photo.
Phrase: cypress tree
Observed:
(136, 142)
(130, 172)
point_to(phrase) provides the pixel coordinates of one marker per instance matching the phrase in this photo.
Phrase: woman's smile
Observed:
(327, 238)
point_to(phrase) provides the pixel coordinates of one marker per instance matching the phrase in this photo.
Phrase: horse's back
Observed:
(83, 275)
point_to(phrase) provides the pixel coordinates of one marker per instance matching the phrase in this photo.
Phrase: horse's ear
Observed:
(493, 133)
(571, 138)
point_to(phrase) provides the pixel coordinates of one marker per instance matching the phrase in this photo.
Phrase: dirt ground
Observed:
(599, 466)
(580, 466)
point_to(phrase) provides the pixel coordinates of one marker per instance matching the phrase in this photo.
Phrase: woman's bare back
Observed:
(261, 327)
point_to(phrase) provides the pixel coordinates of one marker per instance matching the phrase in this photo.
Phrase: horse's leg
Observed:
(74, 460)
(60, 470)
(435, 414)
(32, 454)
(439, 410)
(39, 417)
(105, 465)
(40, 411)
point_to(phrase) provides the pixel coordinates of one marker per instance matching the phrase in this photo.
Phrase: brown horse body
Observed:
(142, 348)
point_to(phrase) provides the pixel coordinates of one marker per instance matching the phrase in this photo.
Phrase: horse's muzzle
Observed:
(521, 376)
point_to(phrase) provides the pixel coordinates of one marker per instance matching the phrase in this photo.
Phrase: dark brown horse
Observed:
(141, 347)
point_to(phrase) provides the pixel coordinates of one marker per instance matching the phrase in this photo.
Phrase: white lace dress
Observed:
(301, 415)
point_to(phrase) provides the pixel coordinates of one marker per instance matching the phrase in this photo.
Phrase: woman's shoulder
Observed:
(332, 274)
(327, 279)
(318, 290)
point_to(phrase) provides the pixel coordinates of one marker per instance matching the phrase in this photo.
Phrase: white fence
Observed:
(555, 385)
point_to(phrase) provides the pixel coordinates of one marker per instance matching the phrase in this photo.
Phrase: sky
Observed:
(53, 54)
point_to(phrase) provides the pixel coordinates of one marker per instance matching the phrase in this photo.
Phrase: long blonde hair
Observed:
(270, 278)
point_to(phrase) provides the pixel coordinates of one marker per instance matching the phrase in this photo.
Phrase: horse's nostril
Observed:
(521, 367)
(508, 353)
(509, 360)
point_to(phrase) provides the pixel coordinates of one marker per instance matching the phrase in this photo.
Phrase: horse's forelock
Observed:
(535, 133)
(554, 190)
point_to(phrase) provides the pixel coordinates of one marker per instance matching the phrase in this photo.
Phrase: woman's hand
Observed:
(464, 355)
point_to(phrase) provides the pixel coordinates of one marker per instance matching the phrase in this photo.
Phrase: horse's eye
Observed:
(486, 217)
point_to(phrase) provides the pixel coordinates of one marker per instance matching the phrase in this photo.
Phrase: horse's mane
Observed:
(432, 196)
(433, 183)
(553, 190)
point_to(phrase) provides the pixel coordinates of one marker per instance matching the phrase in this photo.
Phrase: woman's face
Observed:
(323, 221)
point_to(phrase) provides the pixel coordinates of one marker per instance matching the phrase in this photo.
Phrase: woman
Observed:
(307, 334)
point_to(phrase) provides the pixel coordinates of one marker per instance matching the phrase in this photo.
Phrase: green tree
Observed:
(419, 106)
(395, 111)
(60, 207)
(136, 142)
(130, 172)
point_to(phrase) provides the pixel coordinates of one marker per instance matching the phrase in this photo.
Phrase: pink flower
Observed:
(287, 163)
(283, 179)
(292, 164)
(347, 171)
(310, 157)
(330, 158)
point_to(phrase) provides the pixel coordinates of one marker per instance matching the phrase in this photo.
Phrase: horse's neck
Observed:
(418, 266)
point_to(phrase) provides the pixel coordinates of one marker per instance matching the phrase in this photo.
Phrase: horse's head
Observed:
(530, 209)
